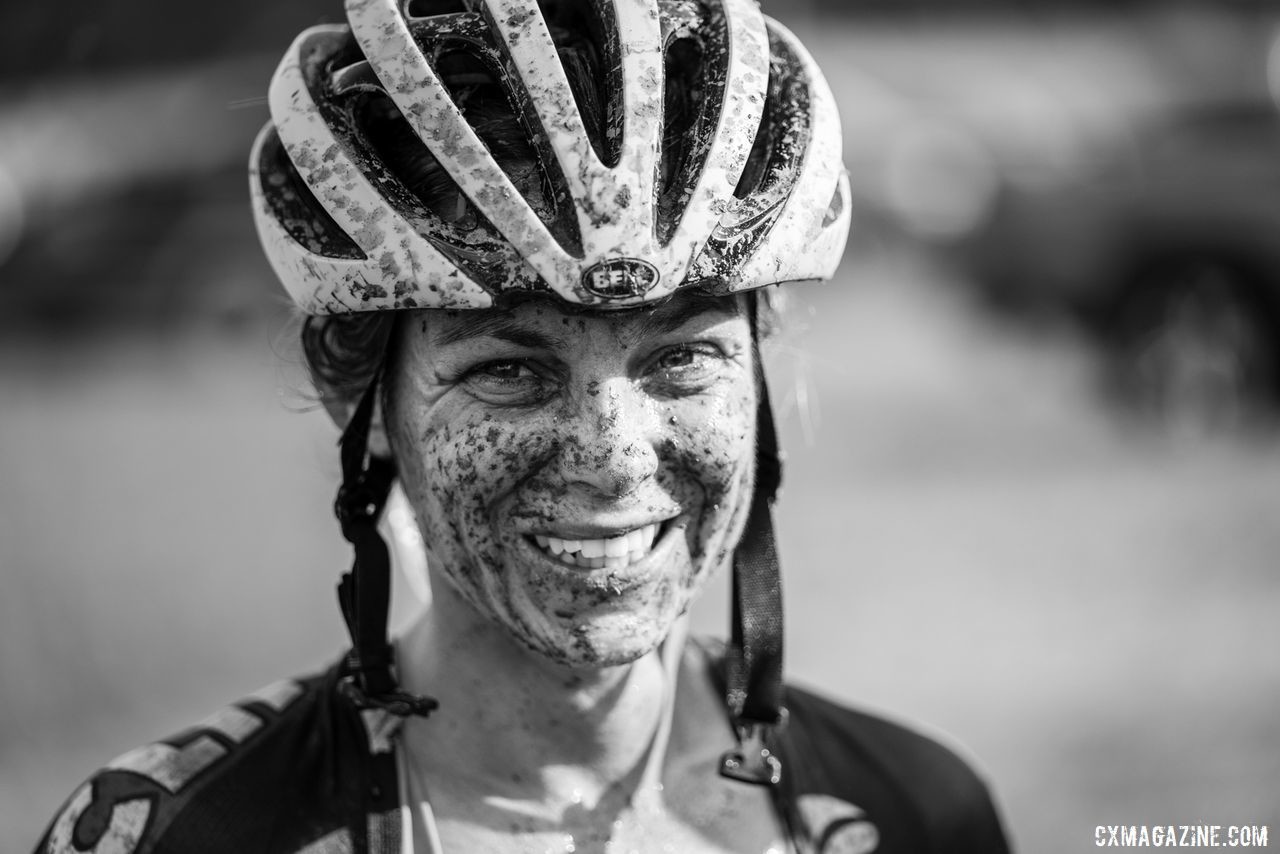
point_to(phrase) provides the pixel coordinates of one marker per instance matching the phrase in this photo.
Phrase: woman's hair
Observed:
(344, 351)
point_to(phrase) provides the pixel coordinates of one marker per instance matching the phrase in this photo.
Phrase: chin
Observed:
(600, 641)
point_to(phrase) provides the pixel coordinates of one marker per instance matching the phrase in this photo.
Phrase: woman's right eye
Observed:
(508, 381)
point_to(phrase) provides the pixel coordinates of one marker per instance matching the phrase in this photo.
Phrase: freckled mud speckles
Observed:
(484, 476)
(520, 18)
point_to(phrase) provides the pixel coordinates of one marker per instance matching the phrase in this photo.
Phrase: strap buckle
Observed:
(752, 761)
(396, 703)
(357, 502)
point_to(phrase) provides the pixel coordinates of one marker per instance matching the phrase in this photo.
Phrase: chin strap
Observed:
(754, 666)
(364, 593)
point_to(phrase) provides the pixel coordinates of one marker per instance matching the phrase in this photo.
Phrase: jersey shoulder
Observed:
(256, 776)
(862, 783)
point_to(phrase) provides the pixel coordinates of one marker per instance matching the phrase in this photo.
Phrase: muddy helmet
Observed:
(707, 153)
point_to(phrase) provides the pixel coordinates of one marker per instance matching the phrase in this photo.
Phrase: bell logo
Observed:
(619, 278)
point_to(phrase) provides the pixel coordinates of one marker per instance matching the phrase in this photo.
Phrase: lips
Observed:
(614, 552)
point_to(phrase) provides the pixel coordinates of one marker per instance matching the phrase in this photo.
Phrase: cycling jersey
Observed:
(295, 769)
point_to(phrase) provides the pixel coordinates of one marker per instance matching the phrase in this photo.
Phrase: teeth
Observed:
(611, 552)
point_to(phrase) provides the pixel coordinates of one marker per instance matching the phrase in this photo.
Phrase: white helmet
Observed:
(631, 199)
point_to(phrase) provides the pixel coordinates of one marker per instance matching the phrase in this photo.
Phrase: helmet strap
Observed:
(364, 593)
(754, 690)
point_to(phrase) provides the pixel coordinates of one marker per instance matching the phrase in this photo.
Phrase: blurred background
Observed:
(1033, 484)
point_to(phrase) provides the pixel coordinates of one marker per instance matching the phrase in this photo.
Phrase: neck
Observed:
(519, 726)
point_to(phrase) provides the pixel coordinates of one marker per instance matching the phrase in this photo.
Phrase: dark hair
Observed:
(344, 351)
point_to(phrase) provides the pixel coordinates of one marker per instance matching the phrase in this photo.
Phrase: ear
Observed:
(341, 407)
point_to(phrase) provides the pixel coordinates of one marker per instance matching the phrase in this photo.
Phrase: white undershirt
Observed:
(417, 820)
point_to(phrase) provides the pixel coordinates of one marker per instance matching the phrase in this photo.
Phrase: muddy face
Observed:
(578, 477)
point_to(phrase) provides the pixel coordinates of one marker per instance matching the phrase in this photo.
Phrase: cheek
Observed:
(716, 449)
(455, 467)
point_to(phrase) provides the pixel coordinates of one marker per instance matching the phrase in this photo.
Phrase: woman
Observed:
(530, 238)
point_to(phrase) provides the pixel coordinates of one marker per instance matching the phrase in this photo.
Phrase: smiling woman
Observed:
(531, 238)
(624, 438)
(582, 385)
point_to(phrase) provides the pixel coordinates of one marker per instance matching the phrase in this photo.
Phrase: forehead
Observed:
(533, 320)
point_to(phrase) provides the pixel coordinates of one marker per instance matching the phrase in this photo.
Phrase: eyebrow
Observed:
(670, 316)
(662, 319)
(503, 327)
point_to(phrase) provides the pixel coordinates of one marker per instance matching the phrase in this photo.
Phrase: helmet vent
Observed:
(835, 208)
(409, 176)
(761, 149)
(587, 45)
(693, 97)
(430, 8)
(488, 99)
(783, 137)
(774, 165)
(296, 208)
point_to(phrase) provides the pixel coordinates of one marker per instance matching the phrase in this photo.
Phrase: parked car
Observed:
(1118, 164)
(1168, 249)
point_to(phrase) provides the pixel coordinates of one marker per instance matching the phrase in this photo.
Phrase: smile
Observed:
(605, 553)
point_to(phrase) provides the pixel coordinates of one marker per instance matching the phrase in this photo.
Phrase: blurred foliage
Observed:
(94, 36)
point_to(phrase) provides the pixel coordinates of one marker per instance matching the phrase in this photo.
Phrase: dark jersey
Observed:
(295, 769)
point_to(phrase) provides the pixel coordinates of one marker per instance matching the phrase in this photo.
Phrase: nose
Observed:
(609, 445)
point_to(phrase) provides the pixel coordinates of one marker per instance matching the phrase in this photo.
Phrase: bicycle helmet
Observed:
(663, 144)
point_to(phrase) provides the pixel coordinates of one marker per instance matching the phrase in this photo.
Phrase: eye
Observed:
(687, 368)
(676, 358)
(684, 357)
(511, 382)
(506, 370)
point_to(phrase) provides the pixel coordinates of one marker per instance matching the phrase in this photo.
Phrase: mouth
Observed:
(616, 552)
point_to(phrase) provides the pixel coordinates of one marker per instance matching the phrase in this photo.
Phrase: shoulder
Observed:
(223, 784)
(881, 785)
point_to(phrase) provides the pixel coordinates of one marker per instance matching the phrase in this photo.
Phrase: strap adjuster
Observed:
(396, 703)
(752, 761)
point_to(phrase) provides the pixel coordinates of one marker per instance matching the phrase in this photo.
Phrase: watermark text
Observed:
(1180, 836)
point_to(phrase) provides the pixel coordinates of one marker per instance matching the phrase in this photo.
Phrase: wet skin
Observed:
(538, 421)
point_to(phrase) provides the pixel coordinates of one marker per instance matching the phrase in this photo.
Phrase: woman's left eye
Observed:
(689, 362)
(680, 357)
(505, 370)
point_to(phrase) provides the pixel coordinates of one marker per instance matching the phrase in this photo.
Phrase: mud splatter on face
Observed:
(529, 440)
